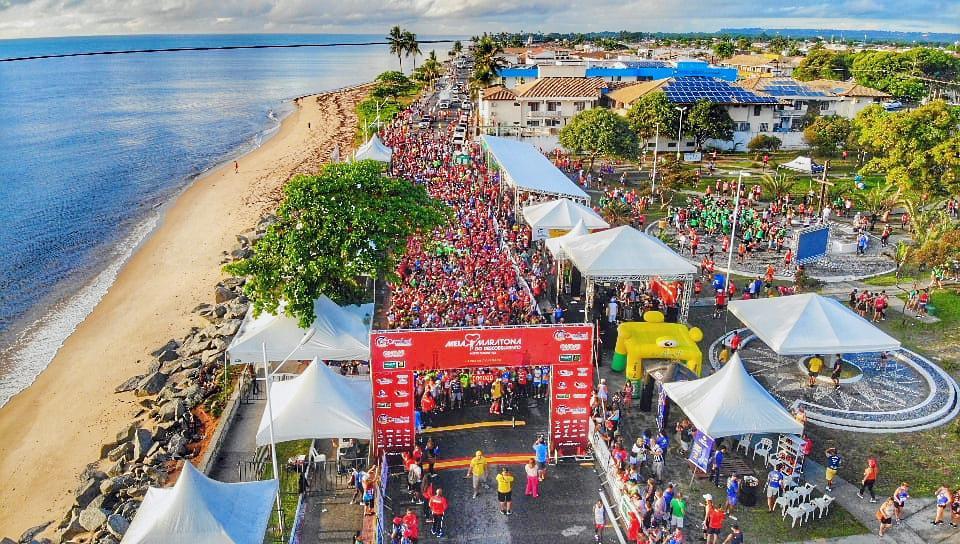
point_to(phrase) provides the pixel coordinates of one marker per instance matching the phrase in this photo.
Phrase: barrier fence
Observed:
(620, 503)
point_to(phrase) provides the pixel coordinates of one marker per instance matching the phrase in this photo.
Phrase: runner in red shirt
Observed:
(715, 519)
(411, 526)
(720, 304)
(438, 506)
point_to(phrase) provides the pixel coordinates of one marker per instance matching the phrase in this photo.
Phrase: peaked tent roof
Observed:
(555, 244)
(622, 252)
(803, 164)
(374, 150)
(198, 509)
(731, 402)
(808, 323)
(526, 168)
(337, 334)
(562, 213)
(319, 403)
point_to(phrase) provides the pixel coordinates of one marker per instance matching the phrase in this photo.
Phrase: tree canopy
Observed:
(764, 142)
(708, 121)
(348, 221)
(599, 132)
(392, 84)
(823, 64)
(486, 63)
(918, 149)
(828, 133)
(649, 111)
(724, 49)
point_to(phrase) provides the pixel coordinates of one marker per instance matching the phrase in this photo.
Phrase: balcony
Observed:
(545, 114)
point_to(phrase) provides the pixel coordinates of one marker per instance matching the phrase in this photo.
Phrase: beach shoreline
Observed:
(53, 429)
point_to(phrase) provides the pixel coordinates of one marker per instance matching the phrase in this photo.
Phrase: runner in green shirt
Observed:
(678, 509)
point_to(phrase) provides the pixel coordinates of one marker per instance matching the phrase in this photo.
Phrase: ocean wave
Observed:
(38, 343)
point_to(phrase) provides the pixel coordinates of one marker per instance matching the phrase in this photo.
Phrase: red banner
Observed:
(396, 355)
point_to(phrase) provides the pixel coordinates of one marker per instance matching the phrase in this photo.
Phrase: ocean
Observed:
(92, 147)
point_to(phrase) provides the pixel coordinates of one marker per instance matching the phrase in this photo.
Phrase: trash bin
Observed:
(749, 491)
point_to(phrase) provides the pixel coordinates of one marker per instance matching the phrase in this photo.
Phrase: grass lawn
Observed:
(289, 493)
(890, 280)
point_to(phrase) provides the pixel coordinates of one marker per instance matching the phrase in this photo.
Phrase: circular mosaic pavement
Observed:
(905, 393)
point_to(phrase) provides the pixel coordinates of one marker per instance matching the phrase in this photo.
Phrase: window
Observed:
(756, 110)
(580, 106)
(672, 144)
(798, 104)
(688, 144)
(650, 144)
(534, 106)
(824, 106)
(764, 127)
(741, 126)
(553, 106)
(533, 123)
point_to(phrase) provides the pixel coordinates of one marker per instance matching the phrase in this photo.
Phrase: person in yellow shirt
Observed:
(814, 365)
(505, 491)
(724, 355)
(478, 469)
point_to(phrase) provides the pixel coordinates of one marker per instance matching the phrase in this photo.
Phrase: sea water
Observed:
(92, 147)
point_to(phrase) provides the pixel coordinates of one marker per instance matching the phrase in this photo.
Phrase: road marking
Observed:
(573, 531)
(467, 426)
(501, 459)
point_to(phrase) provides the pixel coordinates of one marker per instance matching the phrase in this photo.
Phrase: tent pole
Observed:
(273, 443)
(733, 240)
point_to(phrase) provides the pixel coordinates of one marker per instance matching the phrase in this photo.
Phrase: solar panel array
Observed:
(687, 90)
(647, 64)
(789, 87)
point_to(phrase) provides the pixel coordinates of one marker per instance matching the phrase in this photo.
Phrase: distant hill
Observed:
(856, 35)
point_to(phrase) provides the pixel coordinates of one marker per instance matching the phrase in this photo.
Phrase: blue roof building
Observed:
(626, 71)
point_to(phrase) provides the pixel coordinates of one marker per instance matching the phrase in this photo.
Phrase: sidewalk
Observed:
(842, 291)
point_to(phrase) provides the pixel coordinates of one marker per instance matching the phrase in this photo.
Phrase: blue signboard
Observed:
(812, 243)
(700, 451)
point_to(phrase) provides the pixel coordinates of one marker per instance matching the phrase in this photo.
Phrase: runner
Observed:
(837, 370)
(504, 491)
(438, 507)
(411, 527)
(885, 515)
(716, 464)
(478, 470)
(733, 492)
(869, 479)
(599, 521)
(533, 479)
(834, 462)
(715, 519)
(955, 509)
(735, 536)
(900, 497)
(814, 365)
(678, 510)
(541, 454)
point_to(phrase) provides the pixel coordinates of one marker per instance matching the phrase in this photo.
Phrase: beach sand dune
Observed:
(52, 430)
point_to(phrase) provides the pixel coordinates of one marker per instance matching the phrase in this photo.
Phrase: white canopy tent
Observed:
(731, 402)
(624, 252)
(555, 245)
(808, 323)
(337, 334)
(803, 164)
(198, 509)
(525, 168)
(560, 214)
(374, 149)
(319, 403)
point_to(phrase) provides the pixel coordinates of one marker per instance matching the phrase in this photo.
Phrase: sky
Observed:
(40, 18)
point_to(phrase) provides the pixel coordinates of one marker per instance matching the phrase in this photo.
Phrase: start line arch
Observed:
(395, 355)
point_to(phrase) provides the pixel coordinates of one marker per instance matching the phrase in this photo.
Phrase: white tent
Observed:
(373, 150)
(320, 403)
(808, 323)
(560, 214)
(554, 245)
(198, 509)
(803, 164)
(527, 169)
(337, 334)
(731, 402)
(624, 252)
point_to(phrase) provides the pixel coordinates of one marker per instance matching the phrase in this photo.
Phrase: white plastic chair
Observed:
(789, 481)
(808, 509)
(773, 461)
(822, 504)
(782, 502)
(795, 512)
(763, 448)
(792, 497)
(745, 443)
(804, 491)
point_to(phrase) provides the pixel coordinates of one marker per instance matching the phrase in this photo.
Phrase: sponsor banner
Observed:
(393, 414)
(570, 407)
(700, 451)
(478, 347)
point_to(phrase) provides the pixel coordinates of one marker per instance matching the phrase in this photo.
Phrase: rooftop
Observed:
(846, 88)
(562, 87)
(781, 87)
(690, 89)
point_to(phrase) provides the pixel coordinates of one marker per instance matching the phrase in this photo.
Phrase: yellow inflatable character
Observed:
(654, 339)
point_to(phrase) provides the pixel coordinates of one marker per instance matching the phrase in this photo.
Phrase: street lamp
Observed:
(653, 175)
(680, 130)
(733, 230)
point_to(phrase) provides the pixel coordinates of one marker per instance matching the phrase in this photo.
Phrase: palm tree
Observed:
(777, 185)
(411, 47)
(457, 48)
(879, 198)
(617, 213)
(397, 43)
(486, 63)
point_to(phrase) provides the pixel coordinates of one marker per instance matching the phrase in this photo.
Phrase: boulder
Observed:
(229, 328)
(211, 356)
(168, 355)
(205, 307)
(87, 492)
(218, 344)
(28, 535)
(154, 366)
(118, 453)
(112, 485)
(170, 345)
(223, 294)
(152, 384)
(142, 442)
(72, 529)
(92, 519)
(243, 240)
(6, 540)
(117, 525)
(128, 385)
(107, 539)
(172, 410)
(193, 362)
(195, 345)
(177, 444)
(241, 253)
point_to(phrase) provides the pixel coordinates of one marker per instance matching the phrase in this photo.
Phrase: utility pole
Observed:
(653, 175)
(680, 131)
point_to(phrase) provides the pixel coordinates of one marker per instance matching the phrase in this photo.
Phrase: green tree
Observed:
(724, 49)
(744, 43)
(617, 213)
(828, 133)
(348, 221)
(880, 198)
(822, 64)
(764, 142)
(456, 49)
(778, 45)
(392, 84)
(649, 112)
(777, 185)
(486, 63)
(398, 44)
(918, 150)
(708, 121)
(599, 132)
(411, 47)
(940, 251)
(889, 72)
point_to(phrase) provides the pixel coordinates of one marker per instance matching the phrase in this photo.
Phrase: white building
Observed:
(851, 97)
(537, 108)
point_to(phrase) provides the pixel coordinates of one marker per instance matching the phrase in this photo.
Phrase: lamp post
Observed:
(653, 175)
(680, 130)
(733, 232)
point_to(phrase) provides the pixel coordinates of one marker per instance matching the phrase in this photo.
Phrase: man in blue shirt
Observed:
(541, 453)
(663, 441)
(833, 465)
(774, 483)
(716, 463)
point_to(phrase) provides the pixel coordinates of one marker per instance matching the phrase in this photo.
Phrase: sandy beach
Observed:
(52, 430)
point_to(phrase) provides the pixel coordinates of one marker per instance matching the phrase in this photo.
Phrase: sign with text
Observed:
(700, 451)
(396, 356)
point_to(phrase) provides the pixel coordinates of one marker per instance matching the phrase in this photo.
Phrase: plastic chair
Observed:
(763, 448)
(773, 461)
(795, 512)
(789, 481)
(808, 509)
(822, 504)
(783, 502)
(745, 443)
(805, 490)
(792, 497)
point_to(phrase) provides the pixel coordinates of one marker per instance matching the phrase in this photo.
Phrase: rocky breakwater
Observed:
(181, 396)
